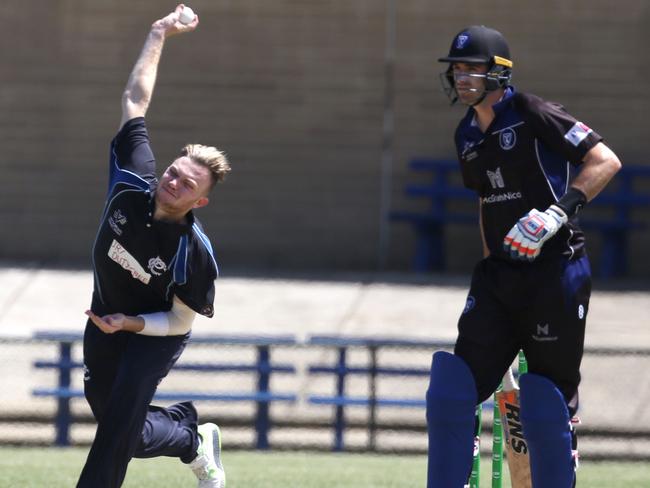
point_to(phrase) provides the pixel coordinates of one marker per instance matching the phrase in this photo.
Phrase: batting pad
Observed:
(545, 421)
(451, 403)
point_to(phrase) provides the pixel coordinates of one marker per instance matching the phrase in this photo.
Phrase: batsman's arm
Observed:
(599, 166)
(139, 88)
(527, 236)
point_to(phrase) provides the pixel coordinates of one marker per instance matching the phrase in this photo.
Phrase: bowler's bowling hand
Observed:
(171, 24)
(108, 324)
(525, 239)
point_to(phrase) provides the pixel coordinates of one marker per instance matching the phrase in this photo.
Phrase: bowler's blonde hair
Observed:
(211, 158)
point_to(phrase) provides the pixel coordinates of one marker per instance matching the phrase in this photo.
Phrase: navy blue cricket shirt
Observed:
(524, 160)
(140, 263)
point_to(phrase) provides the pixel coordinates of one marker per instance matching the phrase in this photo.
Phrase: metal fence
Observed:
(322, 393)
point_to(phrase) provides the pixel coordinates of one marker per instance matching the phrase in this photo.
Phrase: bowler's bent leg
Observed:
(170, 431)
(120, 431)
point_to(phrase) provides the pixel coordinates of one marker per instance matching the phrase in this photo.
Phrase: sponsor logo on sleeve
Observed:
(577, 133)
(122, 257)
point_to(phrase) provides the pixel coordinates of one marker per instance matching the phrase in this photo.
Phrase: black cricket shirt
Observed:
(140, 263)
(524, 160)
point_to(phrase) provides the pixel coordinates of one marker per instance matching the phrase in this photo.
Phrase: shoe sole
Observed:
(216, 448)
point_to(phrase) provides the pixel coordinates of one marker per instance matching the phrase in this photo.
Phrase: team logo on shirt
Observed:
(577, 133)
(507, 139)
(496, 179)
(157, 266)
(116, 220)
(543, 333)
(461, 40)
(497, 182)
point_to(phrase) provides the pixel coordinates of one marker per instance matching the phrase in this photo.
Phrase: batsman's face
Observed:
(469, 80)
(183, 186)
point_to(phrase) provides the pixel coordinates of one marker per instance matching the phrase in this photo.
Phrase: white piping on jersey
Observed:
(172, 265)
(169, 289)
(114, 160)
(182, 247)
(548, 182)
(509, 127)
(206, 242)
(539, 161)
(568, 174)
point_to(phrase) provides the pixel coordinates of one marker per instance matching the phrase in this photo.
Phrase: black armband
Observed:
(572, 201)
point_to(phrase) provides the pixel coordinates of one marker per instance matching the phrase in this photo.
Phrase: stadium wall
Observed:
(293, 91)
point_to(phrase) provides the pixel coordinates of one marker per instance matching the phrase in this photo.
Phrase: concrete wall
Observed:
(293, 91)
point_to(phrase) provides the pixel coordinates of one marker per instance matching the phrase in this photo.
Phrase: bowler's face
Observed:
(184, 185)
(469, 80)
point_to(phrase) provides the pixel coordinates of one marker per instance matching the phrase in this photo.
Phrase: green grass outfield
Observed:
(59, 468)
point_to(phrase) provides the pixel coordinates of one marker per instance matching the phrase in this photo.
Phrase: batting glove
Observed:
(525, 239)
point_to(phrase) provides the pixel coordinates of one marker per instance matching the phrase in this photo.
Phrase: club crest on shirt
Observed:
(507, 139)
(157, 266)
(116, 220)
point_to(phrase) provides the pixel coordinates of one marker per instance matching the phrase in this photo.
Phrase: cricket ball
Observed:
(187, 15)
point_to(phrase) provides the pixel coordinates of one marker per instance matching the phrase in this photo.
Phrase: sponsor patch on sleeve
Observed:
(577, 133)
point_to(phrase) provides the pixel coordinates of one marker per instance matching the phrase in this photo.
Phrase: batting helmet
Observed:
(478, 44)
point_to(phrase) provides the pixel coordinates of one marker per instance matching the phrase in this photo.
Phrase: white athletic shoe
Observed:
(207, 465)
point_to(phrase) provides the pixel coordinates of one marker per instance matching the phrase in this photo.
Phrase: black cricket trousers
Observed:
(121, 374)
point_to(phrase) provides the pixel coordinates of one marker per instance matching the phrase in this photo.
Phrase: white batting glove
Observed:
(525, 239)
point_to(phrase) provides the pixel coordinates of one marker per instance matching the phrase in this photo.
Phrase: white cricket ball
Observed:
(187, 15)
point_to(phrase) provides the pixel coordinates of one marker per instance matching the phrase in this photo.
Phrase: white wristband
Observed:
(155, 324)
(178, 321)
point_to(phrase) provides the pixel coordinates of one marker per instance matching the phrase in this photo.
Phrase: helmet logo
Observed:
(461, 40)
(507, 139)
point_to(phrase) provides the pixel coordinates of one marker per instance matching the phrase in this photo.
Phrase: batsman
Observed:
(533, 167)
